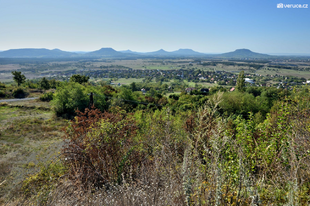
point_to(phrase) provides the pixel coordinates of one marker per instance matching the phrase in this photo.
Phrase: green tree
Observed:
(18, 77)
(241, 82)
(44, 84)
(68, 98)
(79, 78)
(30, 84)
(133, 86)
(71, 96)
(53, 83)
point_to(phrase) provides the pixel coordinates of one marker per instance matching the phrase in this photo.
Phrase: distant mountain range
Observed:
(163, 53)
(111, 53)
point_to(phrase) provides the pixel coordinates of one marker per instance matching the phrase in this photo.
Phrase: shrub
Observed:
(2, 93)
(31, 84)
(2, 85)
(174, 96)
(72, 96)
(19, 93)
(44, 84)
(101, 150)
(238, 103)
(46, 97)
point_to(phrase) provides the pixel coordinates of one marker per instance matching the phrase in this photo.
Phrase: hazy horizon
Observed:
(204, 26)
(80, 51)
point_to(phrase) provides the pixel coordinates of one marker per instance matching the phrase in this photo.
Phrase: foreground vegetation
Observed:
(29, 136)
(246, 147)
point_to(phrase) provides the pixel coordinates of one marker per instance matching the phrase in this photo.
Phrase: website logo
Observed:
(292, 6)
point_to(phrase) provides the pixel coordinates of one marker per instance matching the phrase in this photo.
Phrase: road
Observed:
(14, 100)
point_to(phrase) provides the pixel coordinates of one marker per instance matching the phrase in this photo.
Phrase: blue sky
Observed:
(147, 25)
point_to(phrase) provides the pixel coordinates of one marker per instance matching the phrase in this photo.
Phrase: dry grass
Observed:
(27, 137)
(151, 189)
(30, 104)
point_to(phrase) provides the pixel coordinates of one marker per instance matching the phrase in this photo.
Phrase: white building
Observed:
(249, 80)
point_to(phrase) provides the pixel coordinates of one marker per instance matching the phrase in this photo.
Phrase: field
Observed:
(160, 67)
(127, 81)
(206, 84)
(284, 72)
(168, 94)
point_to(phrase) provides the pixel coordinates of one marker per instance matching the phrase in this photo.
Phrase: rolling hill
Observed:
(36, 53)
(160, 52)
(130, 52)
(243, 53)
(104, 52)
(187, 52)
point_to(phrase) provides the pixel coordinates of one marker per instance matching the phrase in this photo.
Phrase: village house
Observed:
(189, 89)
(143, 91)
(248, 80)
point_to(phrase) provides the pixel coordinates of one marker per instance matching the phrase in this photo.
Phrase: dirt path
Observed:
(14, 100)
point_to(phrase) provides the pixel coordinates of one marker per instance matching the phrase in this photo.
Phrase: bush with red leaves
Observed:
(100, 149)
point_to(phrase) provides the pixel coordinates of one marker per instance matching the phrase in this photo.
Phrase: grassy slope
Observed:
(27, 137)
